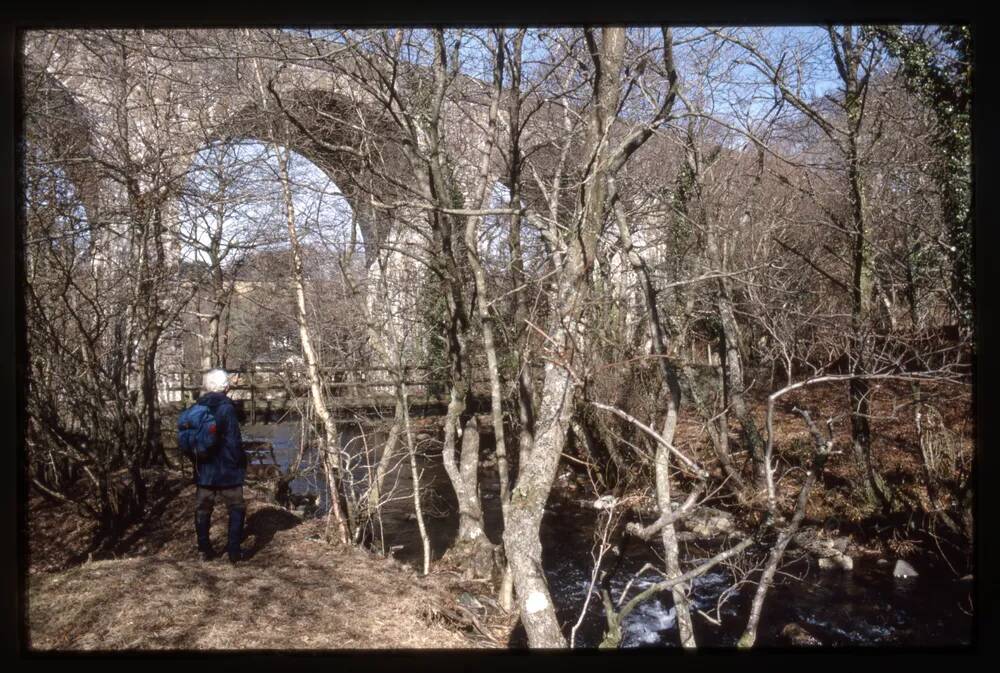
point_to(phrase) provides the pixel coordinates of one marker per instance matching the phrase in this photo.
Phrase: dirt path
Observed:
(294, 592)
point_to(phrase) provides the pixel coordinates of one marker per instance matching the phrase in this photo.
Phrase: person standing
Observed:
(222, 474)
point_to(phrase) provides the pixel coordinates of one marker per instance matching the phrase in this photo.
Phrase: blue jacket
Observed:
(229, 465)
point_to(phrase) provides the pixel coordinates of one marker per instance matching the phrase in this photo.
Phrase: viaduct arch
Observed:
(225, 85)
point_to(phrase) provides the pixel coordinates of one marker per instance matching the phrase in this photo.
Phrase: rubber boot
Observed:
(202, 524)
(236, 517)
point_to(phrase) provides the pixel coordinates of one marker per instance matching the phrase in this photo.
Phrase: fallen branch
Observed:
(698, 470)
(666, 517)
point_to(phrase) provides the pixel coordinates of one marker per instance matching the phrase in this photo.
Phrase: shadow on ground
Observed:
(264, 523)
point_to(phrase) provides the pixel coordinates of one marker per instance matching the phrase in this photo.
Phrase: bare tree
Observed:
(854, 56)
(102, 233)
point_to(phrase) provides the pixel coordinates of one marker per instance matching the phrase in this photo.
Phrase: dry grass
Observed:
(295, 592)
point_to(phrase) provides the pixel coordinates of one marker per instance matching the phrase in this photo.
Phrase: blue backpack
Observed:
(198, 433)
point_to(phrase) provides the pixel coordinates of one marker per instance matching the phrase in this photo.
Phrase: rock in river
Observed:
(797, 635)
(904, 569)
(842, 561)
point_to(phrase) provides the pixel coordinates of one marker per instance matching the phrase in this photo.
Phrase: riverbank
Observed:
(297, 592)
(294, 592)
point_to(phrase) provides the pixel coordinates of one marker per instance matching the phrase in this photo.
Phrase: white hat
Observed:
(216, 381)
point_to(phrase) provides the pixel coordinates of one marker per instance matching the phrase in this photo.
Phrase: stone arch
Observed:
(55, 115)
(218, 168)
(328, 111)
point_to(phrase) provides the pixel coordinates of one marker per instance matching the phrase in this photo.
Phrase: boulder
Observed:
(708, 522)
(828, 551)
(904, 570)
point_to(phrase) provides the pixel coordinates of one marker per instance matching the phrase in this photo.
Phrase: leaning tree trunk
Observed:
(668, 535)
(329, 449)
(538, 468)
(567, 328)
(372, 501)
(813, 474)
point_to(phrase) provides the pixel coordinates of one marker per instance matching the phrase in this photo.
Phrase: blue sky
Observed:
(255, 212)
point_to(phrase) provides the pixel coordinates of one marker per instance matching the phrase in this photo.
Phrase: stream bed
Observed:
(861, 608)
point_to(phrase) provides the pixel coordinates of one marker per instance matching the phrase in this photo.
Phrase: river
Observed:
(865, 607)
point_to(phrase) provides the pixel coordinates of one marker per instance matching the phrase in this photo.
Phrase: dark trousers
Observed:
(231, 497)
(205, 503)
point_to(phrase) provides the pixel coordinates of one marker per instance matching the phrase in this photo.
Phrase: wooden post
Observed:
(253, 397)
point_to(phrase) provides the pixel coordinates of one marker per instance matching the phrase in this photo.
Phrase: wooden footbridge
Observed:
(265, 394)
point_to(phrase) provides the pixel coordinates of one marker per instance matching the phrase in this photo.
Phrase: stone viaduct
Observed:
(182, 90)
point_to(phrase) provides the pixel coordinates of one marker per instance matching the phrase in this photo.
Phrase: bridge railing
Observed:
(263, 384)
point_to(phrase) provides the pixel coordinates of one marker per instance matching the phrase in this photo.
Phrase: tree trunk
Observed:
(470, 514)
(658, 340)
(861, 290)
(479, 275)
(525, 379)
(425, 542)
(537, 472)
(521, 537)
(820, 457)
(732, 368)
(373, 496)
(861, 281)
(668, 535)
(462, 475)
(328, 443)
